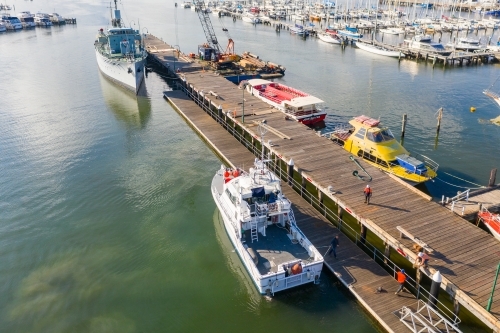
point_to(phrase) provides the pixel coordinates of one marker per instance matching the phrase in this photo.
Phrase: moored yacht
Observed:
(375, 48)
(418, 43)
(330, 38)
(42, 20)
(260, 223)
(467, 44)
(27, 19)
(120, 54)
(56, 19)
(11, 22)
(364, 138)
(294, 103)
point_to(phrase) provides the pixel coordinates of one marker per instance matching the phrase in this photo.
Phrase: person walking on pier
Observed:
(368, 194)
(401, 276)
(333, 246)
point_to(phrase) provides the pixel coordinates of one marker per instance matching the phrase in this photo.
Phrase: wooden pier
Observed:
(469, 203)
(460, 250)
(354, 268)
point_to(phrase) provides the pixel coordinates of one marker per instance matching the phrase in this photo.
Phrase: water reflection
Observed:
(128, 108)
(236, 266)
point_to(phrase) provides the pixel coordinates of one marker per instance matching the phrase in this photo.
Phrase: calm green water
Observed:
(106, 217)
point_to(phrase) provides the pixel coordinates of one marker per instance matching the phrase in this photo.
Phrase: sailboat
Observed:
(375, 48)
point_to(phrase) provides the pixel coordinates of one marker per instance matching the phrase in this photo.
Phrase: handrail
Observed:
(369, 248)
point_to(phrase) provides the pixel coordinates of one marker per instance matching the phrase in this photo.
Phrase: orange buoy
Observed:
(236, 173)
(226, 174)
(296, 269)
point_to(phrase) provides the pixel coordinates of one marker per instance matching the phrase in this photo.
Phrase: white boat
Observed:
(12, 22)
(42, 21)
(260, 223)
(56, 19)
(350, 33)
(294, 103)
(378, 49)
(299, 30)
(120, 54)
(186, 4)
(467, 44)
(2, 27)
(392, 31)
(419, 43)
(27, 19)
(330, 38)
(249, 18)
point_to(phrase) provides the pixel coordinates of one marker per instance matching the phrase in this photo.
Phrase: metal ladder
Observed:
(254, 233)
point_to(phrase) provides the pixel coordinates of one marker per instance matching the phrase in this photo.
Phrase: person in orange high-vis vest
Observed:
(368, 194)
(401, 276)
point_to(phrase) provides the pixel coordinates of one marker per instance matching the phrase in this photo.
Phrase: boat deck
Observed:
(275, 249)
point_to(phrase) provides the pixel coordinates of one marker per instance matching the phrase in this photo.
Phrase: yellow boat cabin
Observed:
(364, 137)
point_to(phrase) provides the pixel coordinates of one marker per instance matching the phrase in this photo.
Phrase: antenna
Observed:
(262, 130)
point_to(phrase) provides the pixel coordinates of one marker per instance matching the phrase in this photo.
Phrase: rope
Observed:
(458, 185)
(449, 174)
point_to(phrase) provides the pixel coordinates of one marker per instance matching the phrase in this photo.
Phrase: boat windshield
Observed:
(380, 135)
(438, 47)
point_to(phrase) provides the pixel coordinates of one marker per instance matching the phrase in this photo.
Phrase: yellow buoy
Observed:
(472, 109)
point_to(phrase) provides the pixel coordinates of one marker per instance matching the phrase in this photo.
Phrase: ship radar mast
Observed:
(116, 21)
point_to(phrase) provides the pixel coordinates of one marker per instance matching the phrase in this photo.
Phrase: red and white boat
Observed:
(294, 103)
(491, 221)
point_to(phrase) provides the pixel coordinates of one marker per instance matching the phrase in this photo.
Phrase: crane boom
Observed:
(207, 25)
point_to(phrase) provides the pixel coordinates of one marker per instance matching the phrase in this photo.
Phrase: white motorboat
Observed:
(249, 18)
(424, 44)
(260, 223)
(294, 103)
(392, 31)
(27, 19)
(330, 38)
(120, 54)
(378, 49)
(56, 19)
(186, 4)
(12, 22)
(467, 44)
(42, 20)
(299, 30)
(350, 33)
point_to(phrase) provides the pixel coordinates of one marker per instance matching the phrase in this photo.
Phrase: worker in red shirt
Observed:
(401, 276)
(368, 194)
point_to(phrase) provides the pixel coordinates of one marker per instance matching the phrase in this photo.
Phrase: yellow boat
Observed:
(376, 145)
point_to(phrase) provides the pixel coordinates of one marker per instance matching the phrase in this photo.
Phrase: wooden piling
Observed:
(493, 176)
(439, 117)
(403, 127)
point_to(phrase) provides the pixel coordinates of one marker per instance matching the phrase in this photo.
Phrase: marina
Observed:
(109, 214)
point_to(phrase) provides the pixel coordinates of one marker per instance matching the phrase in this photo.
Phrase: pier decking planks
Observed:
(354, 268)
(488, 198)
(392, 203)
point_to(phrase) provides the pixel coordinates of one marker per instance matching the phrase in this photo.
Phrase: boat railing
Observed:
(261, 208)
(431, 164)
